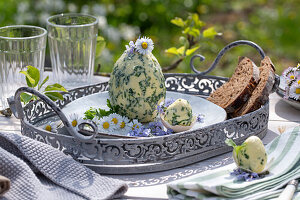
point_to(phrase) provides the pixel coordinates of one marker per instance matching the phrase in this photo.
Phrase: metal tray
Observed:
(142, 155)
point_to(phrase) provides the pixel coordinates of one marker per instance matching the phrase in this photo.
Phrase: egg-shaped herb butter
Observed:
(137, 85)
(251, 155)
(179, 113)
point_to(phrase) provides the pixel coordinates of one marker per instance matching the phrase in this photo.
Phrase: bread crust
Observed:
(261, 93)
(227, 97)
(237, 103)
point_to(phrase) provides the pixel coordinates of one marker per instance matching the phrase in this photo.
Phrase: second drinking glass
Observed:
(72, 41)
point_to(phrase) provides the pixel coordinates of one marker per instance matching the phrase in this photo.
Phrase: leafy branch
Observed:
(53, 91)
(192, 33)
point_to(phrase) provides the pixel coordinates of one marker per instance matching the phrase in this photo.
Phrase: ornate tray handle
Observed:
(16, 106)
(223, 51)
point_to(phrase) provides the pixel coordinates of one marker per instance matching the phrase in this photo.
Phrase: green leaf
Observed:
(26, 97)
(108, 103)
(172, 50)
(192, 31)
(189, 21)
(236, 148)
(56, 87)
(112, 109)
(34, 73)
(186, 30)
(54, 96)
(116, 109)
(195, 17)
(32, 76)
(230, 142)
(191, 51)
(210, 33)
(44, 81)
(102, 113)
(180, 50)
(100, 46)
(30, 81)
(198, 23)
(90, 114)
(178, 22)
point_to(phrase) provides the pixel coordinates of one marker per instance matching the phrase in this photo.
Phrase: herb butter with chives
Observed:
(137, 85)
(179, 113)
(251, 155)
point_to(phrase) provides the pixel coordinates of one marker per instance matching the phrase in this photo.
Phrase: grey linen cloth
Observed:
(39, 171)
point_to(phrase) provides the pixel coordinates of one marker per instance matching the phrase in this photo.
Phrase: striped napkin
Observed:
(219, 184)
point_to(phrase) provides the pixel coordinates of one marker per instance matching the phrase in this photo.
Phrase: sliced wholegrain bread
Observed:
(233, 94)
(261, 93)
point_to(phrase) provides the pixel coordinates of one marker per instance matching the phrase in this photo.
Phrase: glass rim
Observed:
(44, 33)
(72, 14)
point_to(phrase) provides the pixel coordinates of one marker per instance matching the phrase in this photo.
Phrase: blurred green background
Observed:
(273, 24)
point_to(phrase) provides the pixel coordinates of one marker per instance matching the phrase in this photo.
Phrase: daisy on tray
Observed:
(75, 121)
(116, 119)
(51, 127)
(106, 125)
(124, 126)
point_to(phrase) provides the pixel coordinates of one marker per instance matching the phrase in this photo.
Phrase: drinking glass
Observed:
(20, 46)
(72, 41)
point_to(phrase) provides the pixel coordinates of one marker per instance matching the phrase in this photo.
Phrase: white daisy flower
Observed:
(144, 45)
(294, 91)
(292, 75)
(96, 120)
(75, 120)
(124, 126)
(124, 122)
(287, 71)
(116, 119)
(289, 74)
(135, 124)
(51, 127)
(106, 125)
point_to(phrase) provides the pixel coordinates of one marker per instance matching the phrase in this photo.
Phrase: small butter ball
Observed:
(179, 113)
(251, 155)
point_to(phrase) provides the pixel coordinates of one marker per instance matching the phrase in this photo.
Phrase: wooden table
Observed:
(153, 185)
